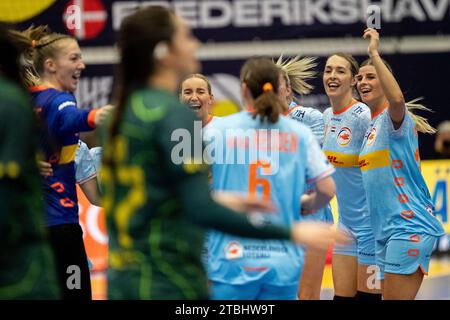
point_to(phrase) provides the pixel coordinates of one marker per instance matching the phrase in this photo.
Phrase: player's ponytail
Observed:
(297, 71)
(140, 35)
(422, 124)
(36, 44)
(261, 77)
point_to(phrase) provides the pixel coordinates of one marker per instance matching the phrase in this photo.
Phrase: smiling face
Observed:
(368, 86)
(337, 77)
(195, 93)
(66, 66)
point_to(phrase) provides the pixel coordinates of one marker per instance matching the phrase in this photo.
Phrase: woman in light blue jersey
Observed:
(399, 202)
(279, 157)
(294, 74)
(195, 91)
(345, 125)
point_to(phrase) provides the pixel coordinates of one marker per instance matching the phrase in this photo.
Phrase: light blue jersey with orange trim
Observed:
(397, 195)
(313, 119)
(310, 117)
(280, 175)
(344, 134)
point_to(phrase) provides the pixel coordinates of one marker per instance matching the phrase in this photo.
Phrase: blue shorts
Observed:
(252, 291)
(323, 214)
(404, 253)
(361, 246)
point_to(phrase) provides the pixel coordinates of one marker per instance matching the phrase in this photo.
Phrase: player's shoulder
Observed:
(231, 120)
(360, 110)
(286, 123)
(56, 99)
(327, 112)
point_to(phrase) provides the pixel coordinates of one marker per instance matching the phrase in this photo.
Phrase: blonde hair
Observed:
(297, 71)
(36, 44)
(422, 124)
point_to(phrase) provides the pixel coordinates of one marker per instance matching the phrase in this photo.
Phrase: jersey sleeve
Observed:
(84, 164)
(402, 131)
(317, 165)
(96, 154)
(64, 117)
(192, 185)
(317, 125)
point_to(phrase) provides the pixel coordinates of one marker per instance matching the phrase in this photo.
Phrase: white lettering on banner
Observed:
(246, 13)
(275, 9)
(188, 11)
(93, 92)
(408, 8)
(260, 13)
(343, 11)
(436, 12)
(218, 21)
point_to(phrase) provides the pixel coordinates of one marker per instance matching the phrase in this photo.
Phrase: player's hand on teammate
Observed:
(45, 169)
(317, 235)
(374, 40)
(240, 202)
(102, 113)
(307, 201)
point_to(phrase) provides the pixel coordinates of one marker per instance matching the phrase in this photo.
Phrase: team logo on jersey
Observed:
(344, 136)
(372, 136)
(234, 250)
(333, 129)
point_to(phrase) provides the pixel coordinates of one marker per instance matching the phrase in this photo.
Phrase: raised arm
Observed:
(390, 86)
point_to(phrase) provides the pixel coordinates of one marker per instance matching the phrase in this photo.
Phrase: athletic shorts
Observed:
(404, 253)
(362, 245)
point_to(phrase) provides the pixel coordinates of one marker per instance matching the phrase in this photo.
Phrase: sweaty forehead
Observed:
(337, 62)
(68, 46)
(194, 83)
(367, 69)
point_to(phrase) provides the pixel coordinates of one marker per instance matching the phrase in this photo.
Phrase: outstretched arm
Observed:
(388, 83)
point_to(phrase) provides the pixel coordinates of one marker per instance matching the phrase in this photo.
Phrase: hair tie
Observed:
(267, 87)
(33, 43)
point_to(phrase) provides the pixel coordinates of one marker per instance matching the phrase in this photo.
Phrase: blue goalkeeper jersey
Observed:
(397, 195)
(344, 134)
(272, 161)
(60, 124)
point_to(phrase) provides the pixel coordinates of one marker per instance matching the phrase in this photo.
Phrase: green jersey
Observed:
(157, 208)
(27, 269)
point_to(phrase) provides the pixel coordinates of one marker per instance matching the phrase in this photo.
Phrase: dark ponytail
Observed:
(138, 36)
(261, 76)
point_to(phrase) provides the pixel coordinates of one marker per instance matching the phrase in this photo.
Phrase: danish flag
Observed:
(85, 19)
